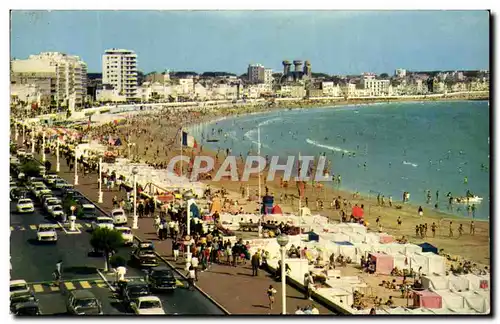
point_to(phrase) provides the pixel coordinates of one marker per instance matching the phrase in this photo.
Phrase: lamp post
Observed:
(24, 131)
(16, 133)
(33, 140)
(283, 241)
(76, 166)
(135, 225)
(58, 165)
(43, 147)
(99, 181)
(188, 197)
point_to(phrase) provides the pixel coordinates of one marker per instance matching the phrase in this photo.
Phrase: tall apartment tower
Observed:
(119, 69)
(256, 73)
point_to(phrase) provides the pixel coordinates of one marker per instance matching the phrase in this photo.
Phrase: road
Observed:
(35, 263)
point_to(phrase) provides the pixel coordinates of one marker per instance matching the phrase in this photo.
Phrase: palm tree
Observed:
(106, 240)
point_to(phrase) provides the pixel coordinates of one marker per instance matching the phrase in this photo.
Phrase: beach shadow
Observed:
(244, 274)
(295, 297)
(261, 306)
(222, 273)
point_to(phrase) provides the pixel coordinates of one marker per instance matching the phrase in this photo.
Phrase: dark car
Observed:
(161, 279)
(144, 255)
(133, 291)
(18, 193)
(89, 211)
(20, 298)
(30, 308)
(83, 302)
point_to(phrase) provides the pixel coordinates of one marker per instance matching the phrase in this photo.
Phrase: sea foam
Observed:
(328, 147)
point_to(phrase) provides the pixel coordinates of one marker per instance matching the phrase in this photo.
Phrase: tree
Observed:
(384, 76)
(106, 240)
(30, 169)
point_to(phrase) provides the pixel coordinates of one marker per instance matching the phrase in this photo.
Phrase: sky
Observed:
(335, 42)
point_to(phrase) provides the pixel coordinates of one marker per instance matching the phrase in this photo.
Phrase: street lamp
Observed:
(76, 166)
(282, 240)
(33, 140)
(16, 134)
(188, 197)
(58, 165)
(43, 147)
(24, 133)
(99, 181)
(135, 225)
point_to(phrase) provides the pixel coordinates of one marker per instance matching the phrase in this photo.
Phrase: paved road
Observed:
(35, 263)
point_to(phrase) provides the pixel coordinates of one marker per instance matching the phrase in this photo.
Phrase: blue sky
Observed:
(336, 42)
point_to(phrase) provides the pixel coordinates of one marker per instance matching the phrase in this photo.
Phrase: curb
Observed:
(103, 277)
(186, 278)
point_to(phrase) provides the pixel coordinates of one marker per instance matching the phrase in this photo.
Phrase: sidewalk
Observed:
(232, 287)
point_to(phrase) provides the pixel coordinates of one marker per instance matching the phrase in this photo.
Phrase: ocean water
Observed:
(411, 146)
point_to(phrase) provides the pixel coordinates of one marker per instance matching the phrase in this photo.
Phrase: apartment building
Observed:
(374, 87)
(59, 76)
(119, 69)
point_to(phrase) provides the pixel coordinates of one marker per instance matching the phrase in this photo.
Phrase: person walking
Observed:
(271, 292)
(460, 230)
(255, 264)
(191, 277)
(308, 282)
(420, 211)
(472, 229)
(451, 229)
(175, 247)
(433, 229)
(58, 273)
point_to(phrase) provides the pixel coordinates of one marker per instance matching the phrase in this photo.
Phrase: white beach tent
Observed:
(435, 282)
(458, 283)
(337, 296)
(475, 301)
(451, 300)
(305, 211)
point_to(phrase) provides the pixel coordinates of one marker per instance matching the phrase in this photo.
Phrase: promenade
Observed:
(232, 287)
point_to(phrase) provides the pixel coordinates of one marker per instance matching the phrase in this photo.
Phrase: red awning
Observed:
(357, 212)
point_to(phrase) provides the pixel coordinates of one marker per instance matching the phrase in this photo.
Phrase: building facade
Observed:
(374, 87)
(60, 76)
(119, 69)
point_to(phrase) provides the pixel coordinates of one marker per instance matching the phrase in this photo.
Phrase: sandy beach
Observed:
(153, 137)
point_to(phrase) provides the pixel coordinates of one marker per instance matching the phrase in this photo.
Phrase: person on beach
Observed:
(460, 230)
(473, 208)
(472, 229)
(420, 211)
(271, 292)
(417, 230)
(390, 201)
(433, 229)
(451, 229)
(399, 222)
(428, 196)
(437, 195)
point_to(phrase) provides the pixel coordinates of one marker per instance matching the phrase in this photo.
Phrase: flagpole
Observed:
(300, 205)
(259, 198)
(182, 136)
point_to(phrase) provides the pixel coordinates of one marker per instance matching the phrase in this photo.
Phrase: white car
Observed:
(43, 192)
(50, 202)
(119, 217)
(128, 237)
(46, 233)
(103, 221)
(21, 152)
(59, 183)
(36, 189)
(50, 178)
(147, 305)
(57, 211)
(25, 205)
(19, 286)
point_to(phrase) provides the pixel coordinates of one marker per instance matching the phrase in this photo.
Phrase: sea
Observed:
(382, 148)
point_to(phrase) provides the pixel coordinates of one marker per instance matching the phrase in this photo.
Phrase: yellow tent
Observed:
(215, 207)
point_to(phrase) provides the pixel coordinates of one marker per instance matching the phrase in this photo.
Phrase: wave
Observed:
(250, 136)
(410, 163)
(328, 147)
(268, 121)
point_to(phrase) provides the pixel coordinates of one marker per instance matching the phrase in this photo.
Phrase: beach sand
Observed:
(153, 137)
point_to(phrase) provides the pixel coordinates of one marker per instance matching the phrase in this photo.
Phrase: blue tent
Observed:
(427, 247)
(312, 236)
(344, 243)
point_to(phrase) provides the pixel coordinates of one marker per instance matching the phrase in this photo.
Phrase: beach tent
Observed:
(386, 238)
(435, 283)
(458, 283)
(215, 207)
(357, 212)
(337, 296)
(346, 249)
(384, 263)
(277, 210)
(427, 247)
(428, 299)
(475, 301)
(312, 236)
(195, 211)
(451, 300)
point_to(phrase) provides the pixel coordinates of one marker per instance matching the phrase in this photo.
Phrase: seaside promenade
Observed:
(233, 288)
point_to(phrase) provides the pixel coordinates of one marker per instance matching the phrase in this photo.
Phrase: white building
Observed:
(58, 75)
(268, 76)
(256, 73)
(109, 95)
(119, 69)
(29, 93)
(375, 87)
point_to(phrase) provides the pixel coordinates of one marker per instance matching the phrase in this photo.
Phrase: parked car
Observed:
(147, 305)
(57, 212)
(46, 233)
(160, 279)
(30, 308)
(119, 217)
(144, 255)
(19, 286)
(50, 202)
(20, 298)
(59, 183)
(103, 221)
(128, 237)
(83, 302)
(25, 205)
(132, 291)
(89, 211)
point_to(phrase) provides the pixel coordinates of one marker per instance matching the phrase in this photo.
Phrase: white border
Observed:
(189, 4)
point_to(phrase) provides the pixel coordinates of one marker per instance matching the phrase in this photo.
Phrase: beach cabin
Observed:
(384, 263)
(428, 299)
(427, 247)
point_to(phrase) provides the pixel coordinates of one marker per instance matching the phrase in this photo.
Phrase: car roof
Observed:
(118, 228)
(134, 284)
(81, 293)
(148, 298)
(18, 282)
(117, 210)
(104, 218)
